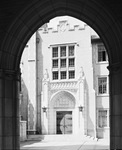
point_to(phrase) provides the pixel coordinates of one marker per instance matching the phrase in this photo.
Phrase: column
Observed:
(115, 84)
(9, 110)
(32, 85)
(39, 73)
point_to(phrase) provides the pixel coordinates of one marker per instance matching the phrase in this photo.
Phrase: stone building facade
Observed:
(64, 82)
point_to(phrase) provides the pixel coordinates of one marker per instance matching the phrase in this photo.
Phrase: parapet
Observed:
(63, 26)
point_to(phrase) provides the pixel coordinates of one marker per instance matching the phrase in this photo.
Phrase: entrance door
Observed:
(64, 122)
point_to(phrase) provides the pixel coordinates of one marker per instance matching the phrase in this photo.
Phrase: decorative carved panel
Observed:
(63, 100)
(64, 103)
(64, 85)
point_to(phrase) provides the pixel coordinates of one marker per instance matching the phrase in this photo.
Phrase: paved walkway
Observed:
(84, 144)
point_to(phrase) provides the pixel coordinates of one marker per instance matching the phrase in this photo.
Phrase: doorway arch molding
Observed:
(39, 12)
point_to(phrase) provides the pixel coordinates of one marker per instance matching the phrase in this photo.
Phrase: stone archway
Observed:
(35, 14)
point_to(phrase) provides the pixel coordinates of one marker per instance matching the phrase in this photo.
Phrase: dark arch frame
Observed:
(39, 12)
(96, 14)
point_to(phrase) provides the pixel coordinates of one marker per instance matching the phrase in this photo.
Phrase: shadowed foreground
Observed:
(65, 144)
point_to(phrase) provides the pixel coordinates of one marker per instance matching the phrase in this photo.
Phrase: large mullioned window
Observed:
(63, 62)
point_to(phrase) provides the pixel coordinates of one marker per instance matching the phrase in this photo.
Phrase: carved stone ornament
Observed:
(64, 85)
(81, 74)
(46, 76)
(62, 25)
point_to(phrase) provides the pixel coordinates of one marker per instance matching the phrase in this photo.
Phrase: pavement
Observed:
(65, 143)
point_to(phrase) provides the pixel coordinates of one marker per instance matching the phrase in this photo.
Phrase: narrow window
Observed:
(55, 63)
(63, 63)
(102, 85)
(63, 51)
(55, 75)
(71, 74)
(63, 74)
(102, 118)
(102, 54)
(55, 52)
(71, 62)
(71, 50)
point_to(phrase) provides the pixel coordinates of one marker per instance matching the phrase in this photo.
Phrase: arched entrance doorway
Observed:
(61, 111)
(33, 16)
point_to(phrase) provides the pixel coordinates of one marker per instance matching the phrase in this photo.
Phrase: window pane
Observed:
(63, 51)
(102, 54)
(71, 62)
(71, 50)
(63, 74)
(55, 63)
(102, 85)
(63, 63)
(71, 74)
(55, 75)
(55, 52)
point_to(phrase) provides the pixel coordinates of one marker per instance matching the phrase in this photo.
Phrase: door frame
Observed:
(61, 110)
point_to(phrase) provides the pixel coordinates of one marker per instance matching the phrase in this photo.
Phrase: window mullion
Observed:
(59, 67)
(67, 57)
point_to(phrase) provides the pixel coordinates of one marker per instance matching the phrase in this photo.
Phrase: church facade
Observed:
(64, 82)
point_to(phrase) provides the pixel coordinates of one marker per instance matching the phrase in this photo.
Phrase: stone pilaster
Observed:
(45, 102)
(9, 110)
(115, 82)
(81, 101)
